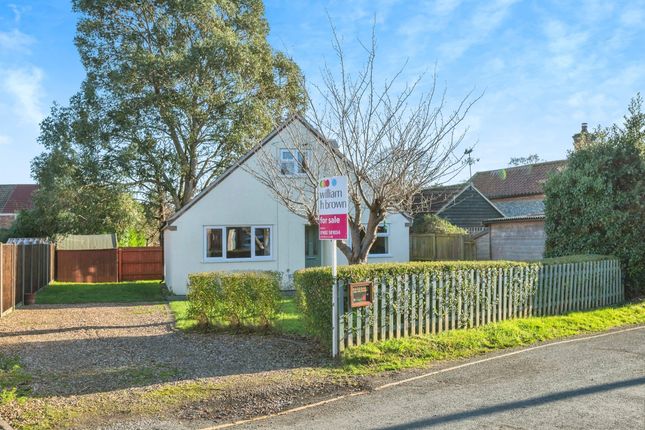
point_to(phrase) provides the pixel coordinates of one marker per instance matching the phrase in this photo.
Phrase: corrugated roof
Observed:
(16, 197)
(521, 207)
(515, 218)
(516, 181)
(87, 241)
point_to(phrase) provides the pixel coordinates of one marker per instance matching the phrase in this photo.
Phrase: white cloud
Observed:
(565, 44)
(4, 140)
(17, 12)
(445, 7)
(24, 87)
(427, 18)
(632, 17)
(484, 21)
(15, 40)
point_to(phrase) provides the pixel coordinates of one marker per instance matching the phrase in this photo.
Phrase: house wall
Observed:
(482, 245)
(469, 209)
(521, 240)
(241, 200)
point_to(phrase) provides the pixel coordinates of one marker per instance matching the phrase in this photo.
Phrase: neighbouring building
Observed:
(237, 224)
(512, 238)
(462, 205)
(503, 209)
(13, 199)
(517, 191)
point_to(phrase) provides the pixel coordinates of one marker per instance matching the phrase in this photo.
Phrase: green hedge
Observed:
(249, 299)
(313, 286)
(431, 223)
(575, 259)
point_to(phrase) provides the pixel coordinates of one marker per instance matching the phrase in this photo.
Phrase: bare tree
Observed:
(391, 141)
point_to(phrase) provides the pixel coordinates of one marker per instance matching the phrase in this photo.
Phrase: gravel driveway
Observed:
(82, 349)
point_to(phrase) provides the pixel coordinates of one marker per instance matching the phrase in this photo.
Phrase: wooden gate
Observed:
(136, 264)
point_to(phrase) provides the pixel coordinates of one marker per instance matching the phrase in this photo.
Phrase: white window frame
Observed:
(294, 154)
(223, 258)
(385, 235)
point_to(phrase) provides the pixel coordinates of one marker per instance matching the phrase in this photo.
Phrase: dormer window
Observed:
(292, 162)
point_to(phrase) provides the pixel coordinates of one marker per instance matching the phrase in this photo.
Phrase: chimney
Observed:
(582, 138)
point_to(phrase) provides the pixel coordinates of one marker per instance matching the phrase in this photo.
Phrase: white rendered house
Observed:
(237, 224)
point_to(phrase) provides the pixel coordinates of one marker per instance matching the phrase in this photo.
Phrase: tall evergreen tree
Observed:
(187, 86)
(597, 204)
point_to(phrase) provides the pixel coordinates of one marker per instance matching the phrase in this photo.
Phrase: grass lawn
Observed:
(418, 351)
(289, 319)
(117, 292)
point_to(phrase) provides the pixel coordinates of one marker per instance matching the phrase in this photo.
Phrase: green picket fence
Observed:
(428, 303)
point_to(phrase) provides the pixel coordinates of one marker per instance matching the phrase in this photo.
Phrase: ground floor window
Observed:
(235, 243)
(382, 244)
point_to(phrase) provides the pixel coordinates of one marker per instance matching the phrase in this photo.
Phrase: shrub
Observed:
(596, 204)
(249, 299)
(434, 224)
(569, 259)
(313, 286)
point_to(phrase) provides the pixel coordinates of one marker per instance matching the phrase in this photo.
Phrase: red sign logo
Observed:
(332, 208)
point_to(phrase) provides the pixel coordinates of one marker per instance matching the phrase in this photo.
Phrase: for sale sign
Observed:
(332, 208)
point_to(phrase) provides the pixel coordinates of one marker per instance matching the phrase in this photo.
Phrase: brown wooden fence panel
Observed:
(137, 264)
(7, 277)
(24, 268)
(96, 265)
(431, 247)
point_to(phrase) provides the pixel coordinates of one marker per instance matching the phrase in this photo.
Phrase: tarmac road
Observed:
(591, 383)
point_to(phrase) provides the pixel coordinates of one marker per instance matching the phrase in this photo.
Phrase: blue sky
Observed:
(544, 66)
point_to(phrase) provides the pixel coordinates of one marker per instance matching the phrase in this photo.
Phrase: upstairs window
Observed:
(292, 162)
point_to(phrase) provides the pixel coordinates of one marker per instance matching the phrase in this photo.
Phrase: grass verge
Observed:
(14, 381)
(110, 292)
(289, 319)
(397, 354)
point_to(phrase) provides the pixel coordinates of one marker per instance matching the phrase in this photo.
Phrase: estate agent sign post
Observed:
(332, 225)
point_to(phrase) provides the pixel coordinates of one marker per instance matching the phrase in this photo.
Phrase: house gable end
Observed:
(469, 208)
(244, 159)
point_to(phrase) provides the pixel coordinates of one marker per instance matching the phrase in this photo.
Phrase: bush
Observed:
(569, 259)
(237, 299)
(434, 224)
(313, 286)
(596, 205)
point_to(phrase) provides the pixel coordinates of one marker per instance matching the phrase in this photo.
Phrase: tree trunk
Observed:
(359, 251)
